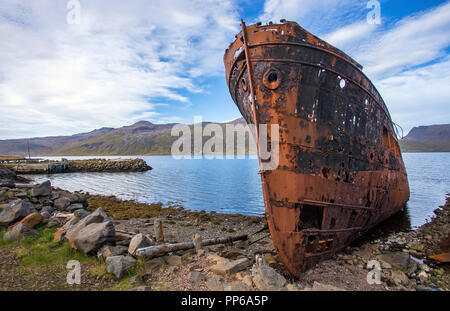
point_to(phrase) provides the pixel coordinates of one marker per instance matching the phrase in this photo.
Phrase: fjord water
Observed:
(233, 185)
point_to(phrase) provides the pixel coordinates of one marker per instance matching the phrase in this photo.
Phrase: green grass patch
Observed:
(124, 283)
(100, 271)
(3, 243)
(43, 250)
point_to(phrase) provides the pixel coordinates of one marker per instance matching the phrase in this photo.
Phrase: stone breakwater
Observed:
(107, 165)
(85, 166)
(96, 227)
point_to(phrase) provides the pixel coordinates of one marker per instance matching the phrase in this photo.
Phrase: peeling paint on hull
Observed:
(340, 170)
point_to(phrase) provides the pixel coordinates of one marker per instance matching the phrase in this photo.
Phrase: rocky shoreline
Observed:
(104, 233)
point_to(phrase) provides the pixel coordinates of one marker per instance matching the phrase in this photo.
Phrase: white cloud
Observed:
(419, 96)
(345, 38)
(407, 61)
(413, 41)
(57, 78)
(317, 16)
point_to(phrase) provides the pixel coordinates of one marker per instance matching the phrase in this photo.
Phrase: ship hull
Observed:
(340, 169)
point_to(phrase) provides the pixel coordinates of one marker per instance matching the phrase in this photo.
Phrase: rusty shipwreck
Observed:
(340, 168)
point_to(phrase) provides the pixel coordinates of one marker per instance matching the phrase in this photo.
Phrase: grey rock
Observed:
(77, 198)
(399, 260)
(108, 251)
(53, 222)
(215, 283)
(73, 207)
(45, 216)
(14, 211)
(196, 277)
(47, 209)
(118, 265)
(412, 268)
(61, 204)
(6, 173)
(21, 195)
(102, 213)
(153, 264)
(19, 232)
(138, 241)
(266, 278)
(173, 260)
(45, 201)
(81, 213)
(42, 190)
(94, 236)
(230, 267)
(124, 243)
(96, 217)
(399, 278)
(71, 222)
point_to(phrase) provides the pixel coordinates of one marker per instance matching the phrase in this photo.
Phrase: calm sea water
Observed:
(233, 186)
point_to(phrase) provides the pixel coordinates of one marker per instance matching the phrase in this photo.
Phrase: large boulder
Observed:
(42, 190)
(19, 232)
(399, 260)
(73, 207)
(118, 265)
(59, 235)
(266, 278)
(31, 221)
(230, 267)
(399, 278)
(81, 213)
(138, 241)
(72, 221)
(6, 173)
(96, 217)
(15, 211)
(45, 217)
(94, 236)
(77, 198)
(47, 209)
(109, 251)
(72, 198)
(61, 204)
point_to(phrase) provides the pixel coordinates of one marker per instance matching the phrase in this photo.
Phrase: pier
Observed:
(39, 166)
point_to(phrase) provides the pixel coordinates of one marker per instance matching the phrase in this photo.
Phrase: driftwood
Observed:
(126, 232)
(159, 250)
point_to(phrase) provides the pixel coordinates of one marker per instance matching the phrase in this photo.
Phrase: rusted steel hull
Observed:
(340, 167)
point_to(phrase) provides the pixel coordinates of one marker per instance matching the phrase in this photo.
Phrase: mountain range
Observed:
(431, 138)
(146, 138)
(141, 138)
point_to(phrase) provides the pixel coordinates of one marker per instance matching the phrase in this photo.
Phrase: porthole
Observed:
(272, 78)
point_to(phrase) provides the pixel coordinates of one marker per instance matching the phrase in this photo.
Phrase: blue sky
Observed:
(162, 62)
